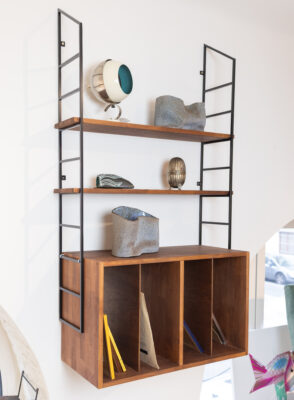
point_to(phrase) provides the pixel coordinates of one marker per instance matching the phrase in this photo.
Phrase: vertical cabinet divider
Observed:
(161, 284)
(198, 308)
(181, 317)
(122, 306)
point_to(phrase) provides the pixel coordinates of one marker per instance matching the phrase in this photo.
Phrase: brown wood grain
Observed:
(113, 284)
(199, 302)
(161, 284)
(143, 191)
(165, 254)
(166, 366)
(230, 299)
(131, 374)
(121, 304)
(100, 316)
(221, 352)
(71, 280)
(147, 131)
(181, 317)
(80, 351)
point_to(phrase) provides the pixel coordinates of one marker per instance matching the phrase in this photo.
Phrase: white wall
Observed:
(161, 41)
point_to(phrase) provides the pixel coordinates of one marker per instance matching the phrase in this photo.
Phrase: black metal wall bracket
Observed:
(231, 140)
(62, 290)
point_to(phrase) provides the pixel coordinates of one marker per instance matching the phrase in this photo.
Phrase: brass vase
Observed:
(176, 173)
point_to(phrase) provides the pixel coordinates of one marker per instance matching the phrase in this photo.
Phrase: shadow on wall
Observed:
(16, 355)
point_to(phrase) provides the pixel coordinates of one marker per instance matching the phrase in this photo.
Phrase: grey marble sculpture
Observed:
(134, 232)
(171, 111)
(113, 181)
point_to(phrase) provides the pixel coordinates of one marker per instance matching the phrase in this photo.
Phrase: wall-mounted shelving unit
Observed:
(188, 282)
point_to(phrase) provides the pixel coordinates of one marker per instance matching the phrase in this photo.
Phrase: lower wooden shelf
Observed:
(186, 283)
(221, 352)
(191, 359)
(145, 372)
(143, 191)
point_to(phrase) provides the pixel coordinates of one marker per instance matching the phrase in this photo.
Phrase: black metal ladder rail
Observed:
(231, 140)
(61, 177)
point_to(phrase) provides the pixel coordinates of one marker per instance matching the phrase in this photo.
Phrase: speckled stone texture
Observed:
(171, 111)
(113, 181)
(134, 232)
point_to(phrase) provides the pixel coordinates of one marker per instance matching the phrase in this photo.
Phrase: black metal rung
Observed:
(69, 94)
(70, 60)
(215, 169)
(218, 87)
(70, 159)
(219, 52)
(69, 16)
(219, 140)
(70, 226)
(218, 114)
(26, 379)
(76, 328)
(215, 195)
(214, 223)
(63, 289)
(63, 257)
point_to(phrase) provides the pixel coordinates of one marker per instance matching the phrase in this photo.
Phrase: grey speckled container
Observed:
(171, 111)
(134, 232)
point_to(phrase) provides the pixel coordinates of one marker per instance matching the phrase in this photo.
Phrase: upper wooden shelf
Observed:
(165, 254)
(143, 191)
(147, 131)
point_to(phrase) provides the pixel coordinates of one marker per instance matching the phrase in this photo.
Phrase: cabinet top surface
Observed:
(165, 254)
(139, 130)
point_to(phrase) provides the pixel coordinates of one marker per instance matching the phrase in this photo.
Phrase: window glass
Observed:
(279, 271)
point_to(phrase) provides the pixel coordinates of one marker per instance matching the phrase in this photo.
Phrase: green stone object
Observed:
(289, 297)
(280, 391)
(113, 181)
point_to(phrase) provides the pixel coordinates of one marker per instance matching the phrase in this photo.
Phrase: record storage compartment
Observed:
(180, 283)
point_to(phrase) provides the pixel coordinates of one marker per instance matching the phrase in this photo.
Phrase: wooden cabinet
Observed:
(180, 283)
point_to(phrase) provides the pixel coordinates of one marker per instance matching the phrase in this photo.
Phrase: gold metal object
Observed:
(176, 173)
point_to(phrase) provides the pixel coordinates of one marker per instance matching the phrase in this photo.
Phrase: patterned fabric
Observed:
(279, 370)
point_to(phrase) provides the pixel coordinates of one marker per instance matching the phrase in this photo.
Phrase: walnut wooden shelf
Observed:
(180, 283)
(147, 131)
(144, 191)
